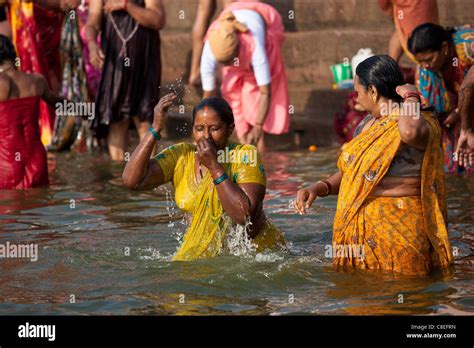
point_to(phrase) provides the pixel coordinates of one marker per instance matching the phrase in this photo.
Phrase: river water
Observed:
(104, 249)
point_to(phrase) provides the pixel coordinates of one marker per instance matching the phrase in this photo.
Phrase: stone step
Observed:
(320, 14)
(307, 55)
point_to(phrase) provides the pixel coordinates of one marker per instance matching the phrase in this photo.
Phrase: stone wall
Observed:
(323, 32)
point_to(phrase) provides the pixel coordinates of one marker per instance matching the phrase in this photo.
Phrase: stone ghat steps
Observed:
(319, 14)
(307, 55)
(311, 122)
(323, 32)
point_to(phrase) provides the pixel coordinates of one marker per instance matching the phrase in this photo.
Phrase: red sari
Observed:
(23, 162)
(36, 36)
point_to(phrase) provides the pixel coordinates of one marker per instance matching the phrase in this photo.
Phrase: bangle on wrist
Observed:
(411, 94)
(155, 134)
(126, 5)
(220, 179)
(328, 187)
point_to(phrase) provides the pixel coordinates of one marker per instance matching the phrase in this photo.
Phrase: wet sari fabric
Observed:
(205, 236)
(401, 234)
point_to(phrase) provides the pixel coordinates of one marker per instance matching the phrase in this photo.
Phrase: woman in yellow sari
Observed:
(391, 210)
(219, 183)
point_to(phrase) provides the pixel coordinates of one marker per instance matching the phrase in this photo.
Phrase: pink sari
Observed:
(239, 86)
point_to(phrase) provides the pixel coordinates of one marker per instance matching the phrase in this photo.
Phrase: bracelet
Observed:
(411, 94)
(328, 186)
(126, 4)
(155, 134)
(221, 179)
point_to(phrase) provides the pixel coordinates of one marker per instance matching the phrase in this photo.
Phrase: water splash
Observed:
(237, 241)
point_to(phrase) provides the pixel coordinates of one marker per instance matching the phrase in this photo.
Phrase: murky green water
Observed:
(83, 244)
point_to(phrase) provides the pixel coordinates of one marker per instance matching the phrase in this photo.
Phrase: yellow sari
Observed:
(406, 234)
(205, 237)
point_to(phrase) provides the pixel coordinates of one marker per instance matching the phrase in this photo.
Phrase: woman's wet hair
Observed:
(382, 72)
(7, 50)
(428, 37)
(219, 105)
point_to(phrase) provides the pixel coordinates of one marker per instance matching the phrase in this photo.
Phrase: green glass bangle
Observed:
(155, 134)
(221, 179)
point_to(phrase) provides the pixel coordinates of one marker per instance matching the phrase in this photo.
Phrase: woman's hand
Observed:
(96, 55)
(206, 152)
(114, 5)
(452, 119)
(404, 90)
(464, 154)
(305, 198)
(255, 134)
(159, 118)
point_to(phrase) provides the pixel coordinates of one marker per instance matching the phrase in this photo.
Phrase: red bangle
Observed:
(126, 4)
(411, 94)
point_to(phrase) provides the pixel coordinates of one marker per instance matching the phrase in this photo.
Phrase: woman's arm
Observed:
(466, 101)
(240, 202)
(151, 16)
(263, 106)
(465, 146)
(305, 197)
(94, 21)
(141, 172)
(412, 127)
(45, 93)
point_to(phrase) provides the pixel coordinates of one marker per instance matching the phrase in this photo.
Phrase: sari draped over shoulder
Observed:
(401, 234)
(206, 234)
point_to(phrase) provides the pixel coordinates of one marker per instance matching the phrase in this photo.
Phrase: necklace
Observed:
(123, 50)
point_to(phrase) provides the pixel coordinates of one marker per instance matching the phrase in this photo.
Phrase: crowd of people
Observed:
(402, 140)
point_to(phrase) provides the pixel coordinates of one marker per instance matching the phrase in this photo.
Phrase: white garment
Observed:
(261, 68)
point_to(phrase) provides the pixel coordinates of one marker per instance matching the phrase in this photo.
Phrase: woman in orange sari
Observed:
(391, 210)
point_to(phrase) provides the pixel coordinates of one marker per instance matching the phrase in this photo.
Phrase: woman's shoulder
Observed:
(182, 147)
(247, 150)
(175, 151)
(5, 84)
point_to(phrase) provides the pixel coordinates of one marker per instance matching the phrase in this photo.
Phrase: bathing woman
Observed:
(218, 194)
(390, 183)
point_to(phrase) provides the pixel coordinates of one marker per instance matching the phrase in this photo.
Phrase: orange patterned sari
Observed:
(401, 234)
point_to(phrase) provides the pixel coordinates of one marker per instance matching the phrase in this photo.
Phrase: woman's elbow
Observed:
(159, 23)
(414, 135)
(129, 182)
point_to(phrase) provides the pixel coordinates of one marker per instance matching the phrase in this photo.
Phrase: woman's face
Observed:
(363, 97)
(208, 124)
(433, 60)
